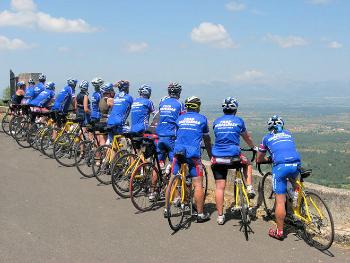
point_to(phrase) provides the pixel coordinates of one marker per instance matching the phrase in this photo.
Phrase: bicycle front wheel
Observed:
(175, 208)
(143, 183)
(84, 157)
(5, 123)
(64, 148)
(319, 228)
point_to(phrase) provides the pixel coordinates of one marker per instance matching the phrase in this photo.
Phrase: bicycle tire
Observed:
(205, 182)
(268, 195)
(31, 134)
(15, 121)
(21, 133)
(244, 214)
(122, 170)
(173, 208)
(47, 142)
(84, 157)
(64, 146)
(141, 186)
(309, 234)
(5, 123)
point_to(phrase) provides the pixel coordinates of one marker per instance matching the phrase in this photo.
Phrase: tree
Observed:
(6, 93)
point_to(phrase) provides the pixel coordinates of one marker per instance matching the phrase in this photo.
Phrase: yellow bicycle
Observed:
(310, 214)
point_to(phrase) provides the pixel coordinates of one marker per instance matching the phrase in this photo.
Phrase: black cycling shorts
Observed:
(220, 171)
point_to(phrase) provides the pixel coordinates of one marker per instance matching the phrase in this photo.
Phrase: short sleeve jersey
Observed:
(63, 99)
(141, 109)
(169, 110)
(37, 90)
(43, 99)
(95, 101)
(120, 110)
(227, 130)
(190, 128)
(281, 147)
(29, 92)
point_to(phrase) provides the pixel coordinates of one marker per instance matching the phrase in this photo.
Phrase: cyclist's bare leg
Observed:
(280, 212)
(219, 195)
(248, 173)
(198, 193)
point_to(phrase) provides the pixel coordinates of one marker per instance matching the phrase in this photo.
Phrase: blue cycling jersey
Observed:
(169, 110)
(37, 90)
(281, 146)
(29, 92)
(63, 99)
(43, 99)
(190, 128)
(141, 109)
(95, 109)
(227, 130)
(120, 110)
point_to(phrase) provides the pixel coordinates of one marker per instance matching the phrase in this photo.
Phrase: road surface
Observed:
(49, 213)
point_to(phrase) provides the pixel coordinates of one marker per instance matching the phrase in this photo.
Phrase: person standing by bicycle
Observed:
(121, 105)
(95, 100)
(39, 87)
(170, 108)
(228, 129)
(20, 93)
(82, 103)
(141, 110)
(65, 97)
(286, 164)
(29, 91)
(45, 97)
(191, 129)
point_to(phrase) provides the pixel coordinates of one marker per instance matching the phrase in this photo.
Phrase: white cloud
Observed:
(334, 44)
(13, 44)
(63, 49)
(250, 75)
(212, 34)
(286, 42)
(23, 5)
(320, 2)
(26, 16)
(235, 6)
(136, 47)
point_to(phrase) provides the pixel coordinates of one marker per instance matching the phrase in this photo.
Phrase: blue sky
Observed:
(201, 41)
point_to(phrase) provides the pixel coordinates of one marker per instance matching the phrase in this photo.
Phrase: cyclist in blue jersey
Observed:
(82, 103)
(45, 97)
(65, 97)
(286, 164)
(121, 105)
(228, 129)
(191, 129)
(29, 92)
(95, 100)
(39, 87)
(141, 109)
(170, 108)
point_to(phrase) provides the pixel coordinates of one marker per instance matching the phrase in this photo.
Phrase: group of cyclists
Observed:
(181, 132)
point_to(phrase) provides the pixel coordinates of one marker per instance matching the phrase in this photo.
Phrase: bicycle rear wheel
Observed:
(5, 123)
(21, 133)
(320, 231)
(84, 157)
(268, 195)
(47, 141)
(142, 183)
(63, 149)
(122, 170)
(244, 214)
(175, 209)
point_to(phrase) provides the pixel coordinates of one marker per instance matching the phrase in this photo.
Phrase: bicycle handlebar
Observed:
(250, 150)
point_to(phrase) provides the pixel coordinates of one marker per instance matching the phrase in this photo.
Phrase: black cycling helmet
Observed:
(193, 103)
(174, 89)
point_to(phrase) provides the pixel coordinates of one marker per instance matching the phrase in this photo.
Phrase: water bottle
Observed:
(295, 197)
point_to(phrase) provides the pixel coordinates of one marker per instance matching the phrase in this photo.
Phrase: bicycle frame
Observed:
(240, 186)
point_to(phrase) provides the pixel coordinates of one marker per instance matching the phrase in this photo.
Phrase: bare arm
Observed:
(110, 102)
(248, 139)
(207, 144)
(74, 103)
(86, 104)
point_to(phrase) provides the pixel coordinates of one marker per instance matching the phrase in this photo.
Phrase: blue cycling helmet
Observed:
(145, 91)
(20, 83)
(97, 82)
(72, 82)
(174, 89)
(123, 85)
(275, 123)
(84, 86)
(50, 85)
(230, 104)
(31, 82)
(42, 78)
(107, 87)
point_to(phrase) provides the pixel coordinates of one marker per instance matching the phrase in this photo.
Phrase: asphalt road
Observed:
(50, 214)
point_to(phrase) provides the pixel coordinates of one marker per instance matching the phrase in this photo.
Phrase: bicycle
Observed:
(105, 157)
(179, 201)
(310, 214)
(148, 178)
